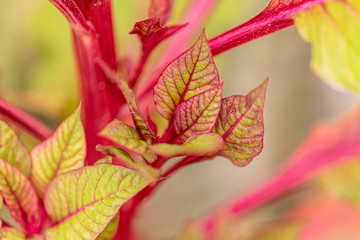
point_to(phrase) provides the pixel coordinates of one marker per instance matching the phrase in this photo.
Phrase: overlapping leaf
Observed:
(81, 203)
(64, 151)
(20, 197)
(192, 73)
(127, 137)
(241, 124)
(110, 230)
(197, 115)
(333, 29)
(13, 150)
(205, 144)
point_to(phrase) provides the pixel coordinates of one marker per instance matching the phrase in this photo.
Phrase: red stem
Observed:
(29, 123)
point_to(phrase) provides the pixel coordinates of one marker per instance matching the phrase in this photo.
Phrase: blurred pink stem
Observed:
(29, 123)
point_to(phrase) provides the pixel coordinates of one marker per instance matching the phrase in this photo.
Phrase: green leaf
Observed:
(105, 160)
(1, 202)
(127, 137)
(13, 150)
(110, 230)
(205, 144)
(64, 151)
(18, 193)
(9, 233)
(81, 203)
(149, 173)
(192, 73)
(333, 28)
(241, 124)
(197, 115)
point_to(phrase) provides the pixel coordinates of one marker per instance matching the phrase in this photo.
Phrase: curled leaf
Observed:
(193, 73)
(18, 193)
(127, 137)
(241, 125)
(110, 230)
(82, 203)
(333, 28)
(64, 151)
(197, 115)
(151, 32)
(204, 144)
(13, 150)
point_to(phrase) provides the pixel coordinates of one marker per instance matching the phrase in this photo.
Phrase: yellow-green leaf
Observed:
(127, 137)
(241, 125)
(9, 233)
(190, 74)
(64, 151)
(333, 29)
(1, 202)
(13, 150)
(197, 115)
(20, 197)
(110, 230)
(81, 203)
(205, 144)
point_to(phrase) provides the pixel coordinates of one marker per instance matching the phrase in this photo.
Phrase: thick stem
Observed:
(24, 120)
(101, 100)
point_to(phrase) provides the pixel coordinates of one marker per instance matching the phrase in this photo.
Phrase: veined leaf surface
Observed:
(110, 230)
(204, 144)
(13, 150)
(197, 115)
(64, 151)
(333, 29)
(127, 137)
(190, 74)
(241, 124)
(18, 193)
(81, 203)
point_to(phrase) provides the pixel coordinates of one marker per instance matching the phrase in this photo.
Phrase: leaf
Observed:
(18, 193)
(161, 9)
(333, 29)
(64, 151)
(127, 137)
(205, 144)
(105, 160)
(197, 115)
(140, 123)
(81, 203)
(110, 230)
(192, 73)
(1, 203)
(149, 173)
(241, 124)
(151, 32)
(9, 233)
(13, 150)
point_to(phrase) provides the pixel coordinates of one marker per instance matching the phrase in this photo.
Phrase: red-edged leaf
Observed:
(73, 14)
(13, 150)
(151, 32)
(197, 115)
(241, 124)
(278, 15)
(82, 203)
(64, 151)
(190, 74)
(18, 193)
(161, 9)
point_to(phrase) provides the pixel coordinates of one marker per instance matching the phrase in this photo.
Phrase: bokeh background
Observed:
(38, 73)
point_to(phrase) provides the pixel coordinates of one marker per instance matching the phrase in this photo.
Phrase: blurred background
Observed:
(38, 73)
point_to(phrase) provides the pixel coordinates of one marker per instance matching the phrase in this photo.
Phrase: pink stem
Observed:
(32, 125)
